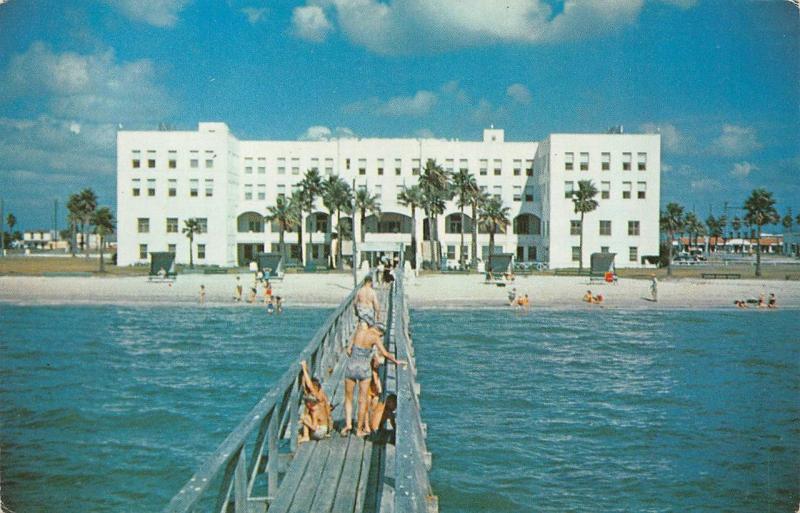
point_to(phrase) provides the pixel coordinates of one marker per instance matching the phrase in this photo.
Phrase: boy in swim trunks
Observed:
(368, 310)
(317, 421)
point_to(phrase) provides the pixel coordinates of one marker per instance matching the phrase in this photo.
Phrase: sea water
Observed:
(111, 409)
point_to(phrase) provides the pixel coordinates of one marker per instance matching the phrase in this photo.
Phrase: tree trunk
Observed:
(102, 263)
(474, 236)
(758, 252)
(191, 252)
(86, 240)
(413, 238)
(669, 253)
(282, 243)
(73, 242)
(339, 239)
(491, 248)
(437, 250)
(310, 243)
(461, 259)
(300, 240)
(363, 229)
(580, 257)
(329, 237)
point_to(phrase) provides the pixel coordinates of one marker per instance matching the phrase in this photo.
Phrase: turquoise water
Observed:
(112, 408)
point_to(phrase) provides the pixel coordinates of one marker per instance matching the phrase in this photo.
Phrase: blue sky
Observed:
(718, 78)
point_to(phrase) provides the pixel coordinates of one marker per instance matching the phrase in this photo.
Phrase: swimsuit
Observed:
(358, 367)
(365, 314)
(320, 433)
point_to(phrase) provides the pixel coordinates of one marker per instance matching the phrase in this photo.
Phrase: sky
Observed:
(719, 79)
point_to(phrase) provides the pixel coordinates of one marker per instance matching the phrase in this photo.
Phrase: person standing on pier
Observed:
(359, 372)
(368, 309)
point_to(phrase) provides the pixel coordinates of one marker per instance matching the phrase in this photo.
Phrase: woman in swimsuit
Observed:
(359, 372)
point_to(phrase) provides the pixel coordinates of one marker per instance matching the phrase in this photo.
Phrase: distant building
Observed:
(49, 240)
(769, 244)
(166, 177)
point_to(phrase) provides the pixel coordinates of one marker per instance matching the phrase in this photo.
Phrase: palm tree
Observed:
(584, 202)
(671, 221)
(493, 215)
(477, 199)
(366, 202)
(690, 223)
(787, 220)
(310, 190)
(74, 219)
(760, 208)
(103, 221)
(413, 198)
(465, 186)
(335, 197)
(736, 225)
(715, 228)
(344, 203)
(286, 215)
(88, 204)
(190, 227)
(434, 182)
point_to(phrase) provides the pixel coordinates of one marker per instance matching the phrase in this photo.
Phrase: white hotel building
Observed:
(166, 177)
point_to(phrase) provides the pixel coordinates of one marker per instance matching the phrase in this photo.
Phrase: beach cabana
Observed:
(501, 266)
(271, 264)
(603, 267)
(162, 266)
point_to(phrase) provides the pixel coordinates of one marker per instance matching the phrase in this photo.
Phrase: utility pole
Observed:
(55, 220)
(353, 231)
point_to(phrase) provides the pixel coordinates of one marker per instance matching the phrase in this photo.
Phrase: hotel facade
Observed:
(167, 177)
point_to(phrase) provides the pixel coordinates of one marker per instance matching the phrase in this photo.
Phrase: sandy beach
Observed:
(429, 291)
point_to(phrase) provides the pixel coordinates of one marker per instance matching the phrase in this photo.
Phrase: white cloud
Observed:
(743, 169)
(424, 133)
(159, 13)
(706, 185)
(404, 26)
(519, 94)
(736, 141)
(93, 87)
(310, 23)
(323, 133)
(254, 14)
(417, 105)
(672, 139)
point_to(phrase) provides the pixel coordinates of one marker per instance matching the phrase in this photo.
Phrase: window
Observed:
(282, 191)
(605, 190)
(151, 186)
(151, 159)
(248, 165)
(136, 159)
(194, 160)
(498, 167)
(529, 193)
(641, 190)
(575, 227)
(142, 251)
(262, 191)
(484, 169)
(172, 188)
(209, 187)
(295, 166)
(281, 166)
(584, 161)
(210, 156)
(415, 167)
(389, 226)
(605, 161)
(143, 225)
(347, 164)
(569, 189)
(248, 191)
(604, 249)
(362, 171)
(626, 190)
(454, 225)
(451, 252)
(517, 193)
(201, 251)
(136, 186)
(379, 192)
(151, 163)
(172, 163)
(172, 248)
(641, 161)
(362, 166)
(605, 227)
(626, 161)
(315, 163)
(136, 163)
(531, 252)
(202, 225)
(380, 167)
(517, 167)
(498, 192)
(569, 161)
(633, 227)
(633, 254)
(398, 167)
(329, 167)
(463, 164)
(172, 225)
(529, 168)
(576, 253)
(194, 185)
(448, 165)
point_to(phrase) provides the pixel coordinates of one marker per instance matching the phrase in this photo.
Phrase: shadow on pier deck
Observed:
(260, 466)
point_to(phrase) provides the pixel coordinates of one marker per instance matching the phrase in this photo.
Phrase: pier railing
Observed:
(412, 490)
(242, 475)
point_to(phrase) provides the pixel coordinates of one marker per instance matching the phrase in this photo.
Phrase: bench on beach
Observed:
(721, 276)
(67, 274)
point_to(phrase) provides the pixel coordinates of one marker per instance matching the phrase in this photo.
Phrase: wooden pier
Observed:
(261, 468)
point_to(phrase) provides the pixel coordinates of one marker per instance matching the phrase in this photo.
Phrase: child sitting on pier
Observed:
(317, 421)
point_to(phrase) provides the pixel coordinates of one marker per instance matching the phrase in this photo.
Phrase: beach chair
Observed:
(501, 265)
(602, 268)
(162, 267)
